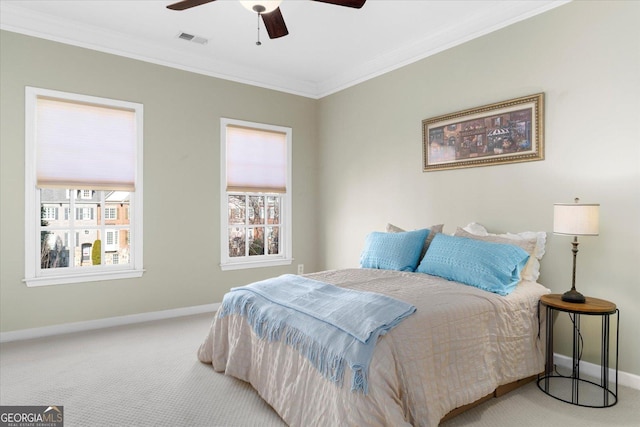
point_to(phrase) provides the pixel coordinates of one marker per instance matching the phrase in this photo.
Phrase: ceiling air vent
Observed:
(191, 38)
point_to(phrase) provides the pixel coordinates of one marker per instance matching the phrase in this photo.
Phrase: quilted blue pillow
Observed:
(393, 251)
(493, 267)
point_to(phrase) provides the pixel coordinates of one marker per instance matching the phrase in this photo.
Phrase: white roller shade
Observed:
(85, 146)
(256, 160)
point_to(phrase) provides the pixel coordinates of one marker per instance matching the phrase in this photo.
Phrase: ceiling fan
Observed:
(269, 10)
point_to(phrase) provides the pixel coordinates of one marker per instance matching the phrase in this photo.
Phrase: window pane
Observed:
(237, 241)
(116, 250)
(54, 253)
(256, 210)
(255, 236)
(54, 242)
(273, 210)
(237, 209)
(79, 215)
(273, 244)
(116, 207)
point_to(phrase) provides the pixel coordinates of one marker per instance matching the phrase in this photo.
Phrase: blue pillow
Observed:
(393, 251)
(493, 267)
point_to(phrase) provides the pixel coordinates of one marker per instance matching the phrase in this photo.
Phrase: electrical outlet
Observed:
(300, 268)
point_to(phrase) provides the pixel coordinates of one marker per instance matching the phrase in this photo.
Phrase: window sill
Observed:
(255, 264)
(82, 277)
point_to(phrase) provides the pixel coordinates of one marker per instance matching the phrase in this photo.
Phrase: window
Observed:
(112, 241)
(256, 195)
(84, 213)
(110, 213)
(83, 164)
(49, 212)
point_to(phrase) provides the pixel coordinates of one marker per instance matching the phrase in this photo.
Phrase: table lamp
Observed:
(575, 219)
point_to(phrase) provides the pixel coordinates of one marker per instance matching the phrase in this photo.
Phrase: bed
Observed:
(461, 345)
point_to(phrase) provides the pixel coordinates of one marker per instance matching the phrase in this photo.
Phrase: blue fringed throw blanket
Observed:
(329, 325)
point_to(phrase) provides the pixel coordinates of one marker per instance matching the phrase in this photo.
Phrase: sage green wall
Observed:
(585, 57)
(182, 113)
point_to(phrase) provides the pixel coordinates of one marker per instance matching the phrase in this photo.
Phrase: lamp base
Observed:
(573, 296)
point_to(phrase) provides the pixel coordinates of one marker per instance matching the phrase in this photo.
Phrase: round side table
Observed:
(583, 392)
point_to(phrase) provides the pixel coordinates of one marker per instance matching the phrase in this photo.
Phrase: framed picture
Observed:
(505, 132)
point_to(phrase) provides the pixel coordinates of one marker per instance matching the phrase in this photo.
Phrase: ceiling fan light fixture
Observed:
(261, 6)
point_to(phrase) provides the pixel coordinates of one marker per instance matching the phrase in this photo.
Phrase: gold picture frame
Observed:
(504, 132)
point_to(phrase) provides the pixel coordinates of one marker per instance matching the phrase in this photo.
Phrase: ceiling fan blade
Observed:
(357, 4)
(187, 4)
(274, 23)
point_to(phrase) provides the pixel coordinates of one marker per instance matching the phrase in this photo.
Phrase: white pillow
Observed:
(532, 270)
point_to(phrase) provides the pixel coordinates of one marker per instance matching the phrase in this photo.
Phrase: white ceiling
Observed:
(328, 48)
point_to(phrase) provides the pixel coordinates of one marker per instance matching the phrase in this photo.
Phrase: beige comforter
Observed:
(458, 347)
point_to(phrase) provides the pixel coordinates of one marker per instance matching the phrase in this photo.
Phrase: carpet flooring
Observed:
(148, 374)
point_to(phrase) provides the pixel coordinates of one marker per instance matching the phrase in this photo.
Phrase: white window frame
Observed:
(255, 261)
(34, 274)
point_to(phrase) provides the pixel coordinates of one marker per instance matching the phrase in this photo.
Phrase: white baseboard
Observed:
(592, 370)
(66, 328)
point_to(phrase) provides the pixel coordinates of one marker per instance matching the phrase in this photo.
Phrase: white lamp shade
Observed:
(269, 5)
(576, 219)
